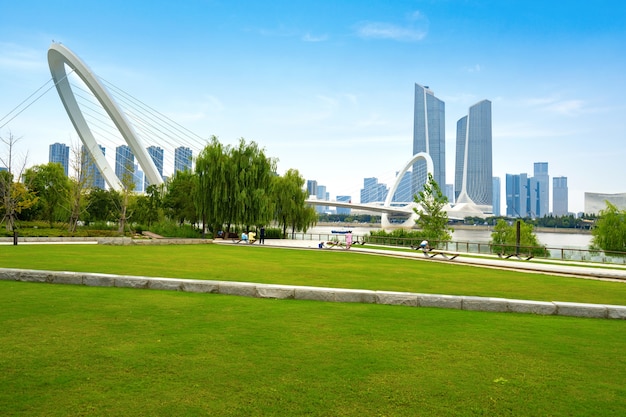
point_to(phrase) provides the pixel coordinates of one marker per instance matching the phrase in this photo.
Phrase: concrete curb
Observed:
(284, 292)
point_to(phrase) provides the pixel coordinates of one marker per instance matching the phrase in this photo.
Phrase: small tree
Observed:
(504, 239)
(14, 196)
(290, 208)
(433, 219)
(609, 232)
(51, 185)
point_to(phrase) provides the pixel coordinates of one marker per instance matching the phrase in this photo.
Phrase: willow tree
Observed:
(291, 209)
(609, 232)
(250, 188)
(211, 192)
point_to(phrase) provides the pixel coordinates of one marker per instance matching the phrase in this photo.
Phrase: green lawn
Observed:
(87, 351)
(342, 269)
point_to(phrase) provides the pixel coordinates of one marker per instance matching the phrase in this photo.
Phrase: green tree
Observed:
(433, 219)
(102, 205)
(178, 201)
(211, 192)
(609, 232)
(51, 185)
(504, 239)
(147, 209)
(290, 207)
(250, 185)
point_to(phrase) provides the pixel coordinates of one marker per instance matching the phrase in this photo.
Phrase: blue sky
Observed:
(326, 87)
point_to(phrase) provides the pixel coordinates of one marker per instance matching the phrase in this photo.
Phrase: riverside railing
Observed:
(563, 254)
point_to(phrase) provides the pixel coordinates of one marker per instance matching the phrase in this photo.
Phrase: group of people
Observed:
(251, 237)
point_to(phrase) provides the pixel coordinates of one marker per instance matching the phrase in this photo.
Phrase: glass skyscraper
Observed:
(182, 159)
(516, 195)
(94, 178)
(473, 179)
(60, 153)
(559, 196)
(124, 162)
(156, 153)
(540, 174)
(429, 135)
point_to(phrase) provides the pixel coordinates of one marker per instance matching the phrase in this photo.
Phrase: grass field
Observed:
(84, 351)
(341, 269)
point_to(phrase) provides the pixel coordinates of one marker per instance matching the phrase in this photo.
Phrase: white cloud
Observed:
(415, 30)
(376, 30)
(308, 37)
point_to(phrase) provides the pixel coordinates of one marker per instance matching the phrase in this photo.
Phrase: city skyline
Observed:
(332, 84)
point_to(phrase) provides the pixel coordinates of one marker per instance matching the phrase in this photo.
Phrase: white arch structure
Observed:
(410, 222)
(58, 57)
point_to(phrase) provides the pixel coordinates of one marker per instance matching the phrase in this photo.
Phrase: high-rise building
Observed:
(473, 179)
(124, 162)
(94, 178)
(156, 153)
(559, 196)
(322, 195)
(60, 153)
(372, 191)
(344, 199)
(540, 175)
(449, 193)
(496, 196)
(139, 179)
(182, 159)
(516, 195)
(429, 135)
(311, 187)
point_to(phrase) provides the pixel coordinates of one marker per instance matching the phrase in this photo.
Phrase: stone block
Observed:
(275, 291)
(355, 296)
(66, 278)
(440, 301)
(30, 275)
(616, 312)
(92, 280)
(200, 286)
(597, 311)
(131, 282)
(314, 294)
(499, 305)
(244, 289)
(533, 307)
(7, 274)
(166, 284)
(396, 298)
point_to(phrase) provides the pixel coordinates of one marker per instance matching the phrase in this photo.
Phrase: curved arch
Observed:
(58, 57)
(384, 220)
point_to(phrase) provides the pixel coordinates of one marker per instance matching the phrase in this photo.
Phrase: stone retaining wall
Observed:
(248, 289)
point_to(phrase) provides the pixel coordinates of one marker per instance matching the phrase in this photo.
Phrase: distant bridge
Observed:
(406, 211)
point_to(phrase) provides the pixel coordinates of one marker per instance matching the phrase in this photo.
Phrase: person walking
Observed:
(262, 235)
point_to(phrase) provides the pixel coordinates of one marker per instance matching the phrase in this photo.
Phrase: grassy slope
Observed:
(310, 267)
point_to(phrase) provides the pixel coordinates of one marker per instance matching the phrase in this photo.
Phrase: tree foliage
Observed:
(178, 201)
(233, 185)
(609, 232)
(290, 209)
(504, 239)
(433, 219)
(49, 183)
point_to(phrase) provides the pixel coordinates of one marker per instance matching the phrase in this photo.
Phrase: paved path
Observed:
(577, 269)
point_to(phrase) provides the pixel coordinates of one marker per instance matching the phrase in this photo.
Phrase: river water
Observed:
(480, 235)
